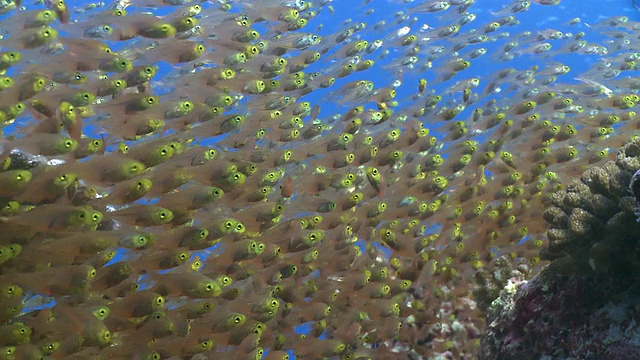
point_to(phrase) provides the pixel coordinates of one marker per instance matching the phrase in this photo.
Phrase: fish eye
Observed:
(237, 319)
(204, 233)
(228, 224)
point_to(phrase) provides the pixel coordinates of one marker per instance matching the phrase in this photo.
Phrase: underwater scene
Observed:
(327, 179)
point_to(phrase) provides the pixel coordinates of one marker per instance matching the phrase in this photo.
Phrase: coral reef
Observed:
(593, 220)
(584, 305)
(555, 316)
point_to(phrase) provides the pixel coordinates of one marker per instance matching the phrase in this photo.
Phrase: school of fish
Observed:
(168, 192)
